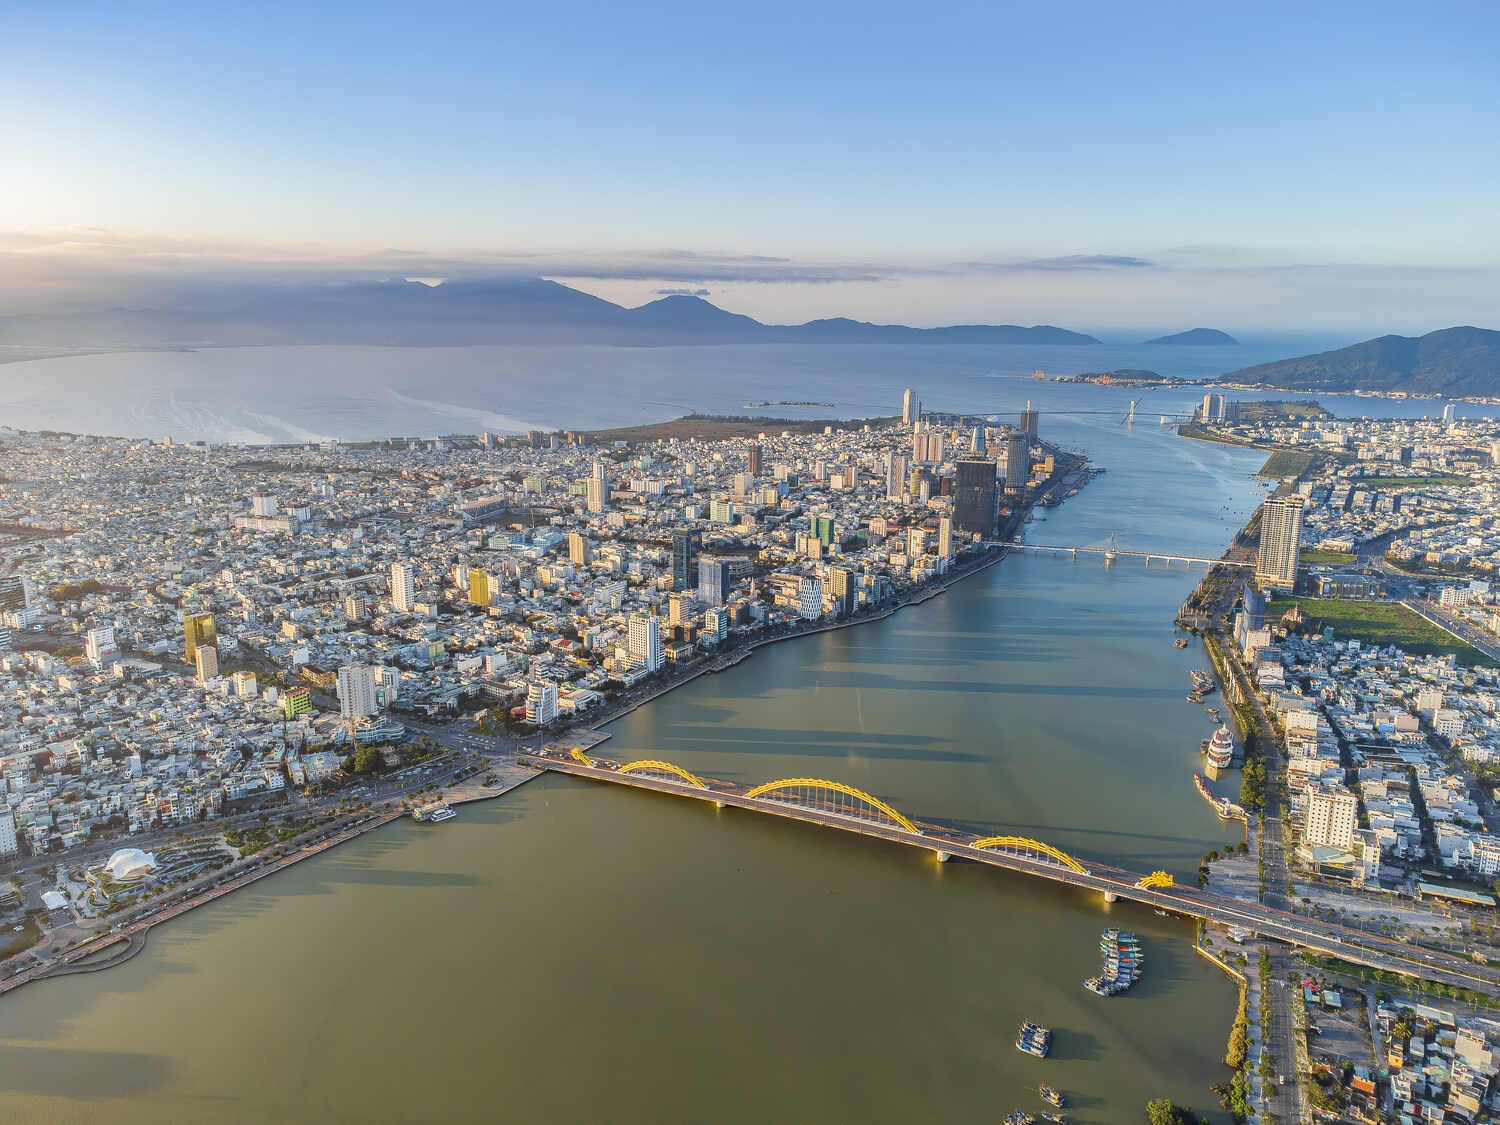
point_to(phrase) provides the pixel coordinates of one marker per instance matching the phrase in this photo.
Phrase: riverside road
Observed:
(1327, 938)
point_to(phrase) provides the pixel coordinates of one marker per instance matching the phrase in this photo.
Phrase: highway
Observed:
(1114, 883)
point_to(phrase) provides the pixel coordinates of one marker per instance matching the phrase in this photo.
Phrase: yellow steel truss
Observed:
(577, 752)
(1026, 844)
(834, 787)
(663, 767)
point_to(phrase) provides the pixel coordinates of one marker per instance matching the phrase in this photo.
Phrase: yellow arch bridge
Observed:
(651, 765)
(833, 796)
(822, 795)
(1034, 848)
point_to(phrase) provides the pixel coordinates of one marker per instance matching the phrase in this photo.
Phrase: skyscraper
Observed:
(821, 527)
(686, 544)
(713, 581)
(752, 460)
(911, 409)
(598, 488)
(479, 587)
(1017, 460)
(841, 590)
(645, 641)
(1280, 536)
(541, 702)
(403, 586)
(974, 497)
(1029, 420)
(895, 475)
(579, 553)
(945, 536)
(357, 691)
(206, 662)
(198, 629)
(15, 592)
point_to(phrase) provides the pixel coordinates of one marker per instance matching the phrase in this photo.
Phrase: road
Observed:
(1446, 619)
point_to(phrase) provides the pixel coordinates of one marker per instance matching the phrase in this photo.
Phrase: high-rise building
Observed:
(974, 497)
(403, 586)
(716, 624)
(1212, 408)
(895, 475)
(1017, 460)
(680, 608)
(596, 495)
(1332, 817)
(354, 608)
(1029, 420)
(911, 409)
(713, 581)
(841, 590)
(8, 845)
(821, 528)
(206, 662)
(686, 543)
(198, 629)
(263, 504)
(720, 511)
(810, 598)
(15, 592)
(945, 536)
(579, 552)
(645, 641)
(926, 443)
(99, 646)
(357, 691)
(479, 587)
(752, 460)
(296, 701)
(1280, 537)
(541, 702)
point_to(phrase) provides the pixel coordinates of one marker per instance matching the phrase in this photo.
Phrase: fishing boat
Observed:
(1124, 962)
(1051, 1096)
(1054, 1118)
(1019, 1117)
(1034, 1039)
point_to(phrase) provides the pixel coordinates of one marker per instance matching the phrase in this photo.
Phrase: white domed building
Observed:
(130, 863)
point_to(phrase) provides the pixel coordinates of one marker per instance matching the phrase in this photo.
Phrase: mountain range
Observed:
(1459, 361)
(494, 311)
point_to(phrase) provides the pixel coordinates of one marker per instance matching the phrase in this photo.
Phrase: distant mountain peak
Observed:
(1211, 336)
(1451, 361)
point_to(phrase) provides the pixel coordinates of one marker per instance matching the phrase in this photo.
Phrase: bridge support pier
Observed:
(718, 804)
(942, 857)
(1109, 896)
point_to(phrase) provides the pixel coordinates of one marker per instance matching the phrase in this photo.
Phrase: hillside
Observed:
(525, 310)
(1209, 336)
(1460, 361)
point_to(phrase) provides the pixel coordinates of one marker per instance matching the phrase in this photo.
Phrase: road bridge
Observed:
(833, 804)
(1111, 550)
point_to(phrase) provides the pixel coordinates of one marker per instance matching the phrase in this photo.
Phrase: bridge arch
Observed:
(1028, 846)
(799, 787)
(652, 765)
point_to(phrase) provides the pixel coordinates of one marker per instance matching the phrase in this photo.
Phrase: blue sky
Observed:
(1262, 164)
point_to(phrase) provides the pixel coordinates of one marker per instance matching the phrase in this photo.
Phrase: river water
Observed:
(580, 953)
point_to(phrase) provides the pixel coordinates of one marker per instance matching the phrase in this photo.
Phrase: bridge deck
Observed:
(1115, 883)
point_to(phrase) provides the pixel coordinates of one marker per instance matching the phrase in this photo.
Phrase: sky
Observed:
(1253, 167)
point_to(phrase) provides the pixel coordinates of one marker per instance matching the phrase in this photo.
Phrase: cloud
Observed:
(1070, 263)
(680, 292)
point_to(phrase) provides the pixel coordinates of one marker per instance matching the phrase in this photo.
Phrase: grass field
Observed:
(1326, 558)
(1285, 463)
(1398, 484)
(1381, 623)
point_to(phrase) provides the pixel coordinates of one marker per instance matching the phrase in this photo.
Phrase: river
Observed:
(575, 952)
